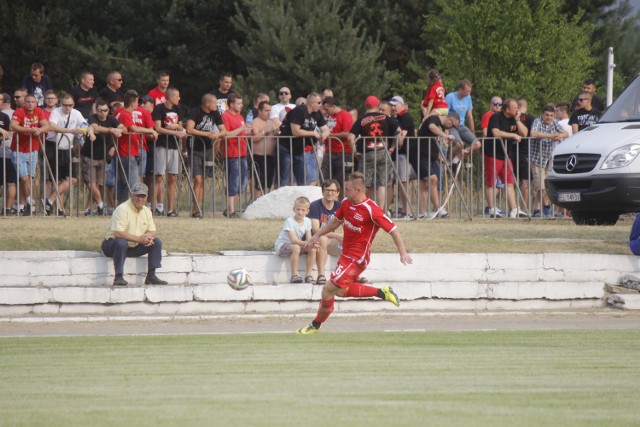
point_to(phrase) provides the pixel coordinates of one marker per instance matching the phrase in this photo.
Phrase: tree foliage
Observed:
(511, 48)
(307, 45)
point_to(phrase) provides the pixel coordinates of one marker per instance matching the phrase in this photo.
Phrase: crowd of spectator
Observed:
(112, 139)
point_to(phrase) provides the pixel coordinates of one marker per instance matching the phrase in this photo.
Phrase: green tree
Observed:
(307, 45)
(511, 48)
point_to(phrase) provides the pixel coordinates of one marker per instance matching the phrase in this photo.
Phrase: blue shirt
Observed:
(460, 106)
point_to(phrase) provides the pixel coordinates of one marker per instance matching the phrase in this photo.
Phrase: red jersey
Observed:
(142, 118)
(484, 122)
(233, 147)
(342, 122)
(361, 222)
(25, 142)
(128, 143)
(158, 97)
(435, 92)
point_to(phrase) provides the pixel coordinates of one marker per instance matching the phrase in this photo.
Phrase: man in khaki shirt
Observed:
(132, 234)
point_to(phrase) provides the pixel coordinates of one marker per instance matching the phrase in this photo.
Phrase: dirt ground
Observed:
(338, 323)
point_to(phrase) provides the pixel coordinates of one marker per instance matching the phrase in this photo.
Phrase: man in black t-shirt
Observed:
(204, 126)
(8, 176)
(425, 159)
(223, 91)
(301, 128)
(376, 132)
(85, 94)
(113, 92)
(507, 129)
(597, 103)
(405, 169)
(168, 123)
(94, 154)
(520, 154)
(584, 116)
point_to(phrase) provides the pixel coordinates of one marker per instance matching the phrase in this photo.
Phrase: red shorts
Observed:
(496, 168)
(346, 272)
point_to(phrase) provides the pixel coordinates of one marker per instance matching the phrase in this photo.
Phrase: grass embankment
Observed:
(213, 235)
(507, 378)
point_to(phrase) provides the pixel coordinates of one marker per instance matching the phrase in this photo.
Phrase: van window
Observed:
(627, 107)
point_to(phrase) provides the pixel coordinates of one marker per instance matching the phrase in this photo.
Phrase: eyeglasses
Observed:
(330, 190)
(140, 196)
(67, 105)
(583, 99)
(106, 110)
(118, 80)
(497, 104)
(49, 98)
(17, 97)
(284, 93)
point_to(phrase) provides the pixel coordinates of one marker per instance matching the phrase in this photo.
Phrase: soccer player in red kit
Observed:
(362, 218)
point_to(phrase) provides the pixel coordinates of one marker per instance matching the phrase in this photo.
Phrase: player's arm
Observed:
(329, 227)
(405, 258)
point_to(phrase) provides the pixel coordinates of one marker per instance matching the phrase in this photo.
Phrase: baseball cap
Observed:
(396, 100)
(146, 98)
(139, 188)
(371, 102)
(6, 97)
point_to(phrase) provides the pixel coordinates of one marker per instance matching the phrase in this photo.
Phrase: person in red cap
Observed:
(375, 134)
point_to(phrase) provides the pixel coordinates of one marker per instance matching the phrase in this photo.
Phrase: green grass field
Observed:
(509, 378)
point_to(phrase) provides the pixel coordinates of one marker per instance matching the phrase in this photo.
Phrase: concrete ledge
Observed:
(75, 282)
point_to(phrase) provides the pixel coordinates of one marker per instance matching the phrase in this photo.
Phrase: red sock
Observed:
(324, 311)
(358, 290)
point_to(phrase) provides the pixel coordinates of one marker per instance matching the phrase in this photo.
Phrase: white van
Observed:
(596, 173)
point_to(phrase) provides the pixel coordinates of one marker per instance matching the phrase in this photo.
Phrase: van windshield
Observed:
(627, 107)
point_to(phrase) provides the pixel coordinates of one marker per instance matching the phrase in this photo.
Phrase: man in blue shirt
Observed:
(460, 102)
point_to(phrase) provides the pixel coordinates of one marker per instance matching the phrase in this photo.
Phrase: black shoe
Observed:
(101, 211)
(172, 214)
(158, 213)
(119, 281)
(154, 280)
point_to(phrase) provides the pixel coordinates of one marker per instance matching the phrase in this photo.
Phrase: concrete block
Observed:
(78, 294)
(92, 266)
(458, 290)
(50, 309)
(514, 261)
(221, 292)
(83, 309)
(15, 310)
(13, 280)
(120, 295)
(169, 293)
(283, 292)
(18, 296)
(141, 308)
(412, 290)
(574, 290)
(511, 275)
(517, 290)
(177, 264)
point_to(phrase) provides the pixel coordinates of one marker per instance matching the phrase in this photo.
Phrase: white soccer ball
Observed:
(238, 279)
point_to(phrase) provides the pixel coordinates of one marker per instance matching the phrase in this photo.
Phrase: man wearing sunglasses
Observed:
(113, 92)
(94, 153)
(67, 127)
(284, 104)
(494, 106)
(585, 115)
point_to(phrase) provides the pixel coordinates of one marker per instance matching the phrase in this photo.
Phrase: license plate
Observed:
(568, 197)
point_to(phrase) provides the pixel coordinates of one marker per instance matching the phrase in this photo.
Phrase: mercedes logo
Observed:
(572, 161)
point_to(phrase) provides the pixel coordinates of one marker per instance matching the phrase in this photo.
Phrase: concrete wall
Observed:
(68, 282)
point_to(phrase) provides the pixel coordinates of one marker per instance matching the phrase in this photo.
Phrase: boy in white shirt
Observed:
(292, 240)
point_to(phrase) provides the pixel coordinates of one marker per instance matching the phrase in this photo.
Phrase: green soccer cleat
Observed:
(390, 296)
(308, 330)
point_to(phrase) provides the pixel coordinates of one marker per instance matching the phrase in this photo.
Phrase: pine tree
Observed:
(307, 45)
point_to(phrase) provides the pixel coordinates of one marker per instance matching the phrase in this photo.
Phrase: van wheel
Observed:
(595, 218)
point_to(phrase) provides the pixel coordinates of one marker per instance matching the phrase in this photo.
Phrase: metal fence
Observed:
(424, 181)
